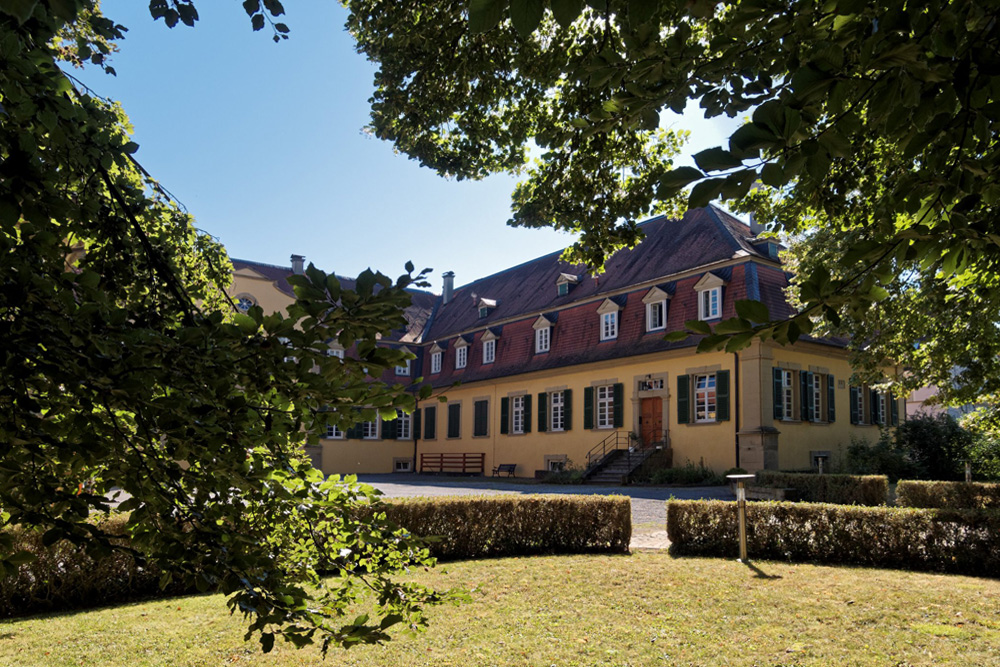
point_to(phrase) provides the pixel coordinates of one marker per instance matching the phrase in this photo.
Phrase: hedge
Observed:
(517, 525)
(64, 577)
(839, 489)
(956, 541)
(948, 495)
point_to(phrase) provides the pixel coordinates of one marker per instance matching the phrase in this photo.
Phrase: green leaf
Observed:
(712, 343)
(677, 179)
(751, 137)
(251, 7)
(267, 642)
(716, 159)
(526, 15)
(676, 336)
(740, 341)
(21, 558)
(484, 15)
(257, 22)
(703, 193)
(640, 11)
(566, 11)
(754, 311)
(19, 9)
(698, 326)
(733, 325)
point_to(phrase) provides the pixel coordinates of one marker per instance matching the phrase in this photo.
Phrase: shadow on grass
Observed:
(759, 573)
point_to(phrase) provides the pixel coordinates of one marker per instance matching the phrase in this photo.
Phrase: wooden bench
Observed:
(504, 468)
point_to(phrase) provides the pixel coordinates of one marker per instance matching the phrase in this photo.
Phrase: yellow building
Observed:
(559, 367)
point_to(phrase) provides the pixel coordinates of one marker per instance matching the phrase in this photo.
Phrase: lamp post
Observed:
(820, 459)
(741, 510)
(968, 470)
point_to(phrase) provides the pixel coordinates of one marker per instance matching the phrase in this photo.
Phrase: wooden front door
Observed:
(651, 420)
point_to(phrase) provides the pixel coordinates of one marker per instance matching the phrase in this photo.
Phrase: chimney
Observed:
(449, 286)
(755, 227)
(298, 264)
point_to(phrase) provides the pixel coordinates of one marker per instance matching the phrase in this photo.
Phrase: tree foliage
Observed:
(871, 135)
(127, 369)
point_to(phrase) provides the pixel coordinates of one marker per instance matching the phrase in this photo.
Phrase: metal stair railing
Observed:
(635, 451)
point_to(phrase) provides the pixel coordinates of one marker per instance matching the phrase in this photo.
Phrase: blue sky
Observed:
(263, 144)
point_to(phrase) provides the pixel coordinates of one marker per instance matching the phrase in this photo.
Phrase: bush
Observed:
(480, 527)
(937, 444)
(689, 473)
(570, 474)
(839, 489)
(984, 454)
(882, 458)
(64, 577)
(948, 495)
(956, 541)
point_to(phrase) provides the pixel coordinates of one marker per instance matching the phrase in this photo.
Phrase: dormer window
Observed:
(489, 340)
(608, 313)
(709, 290)
(436, 352)
(565, 282)
(404, 368)
(543, 333)
(656, 309)
(461, 353)
(486, 306)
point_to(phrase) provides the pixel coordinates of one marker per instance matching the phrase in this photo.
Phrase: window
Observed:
(402, 465)
(708, 303)
(656, 316)
(873, 407)
(461, 356)
(517, 415)
(651, 384)
(816, 413)
(483, 312)
(333, 432)
(704, 398)
(369, 430)
(556, 465)
(543, 337)
(436, 362)
(813, 400)
(480, 418)
(489, 351)
(609, 326)
(557, 411)
(605, 406)
(244, 302)
(430, 422)
(787, 395)
(403, 425)
(562, 289)
(404, 369)
(455, 420)
(858, 406)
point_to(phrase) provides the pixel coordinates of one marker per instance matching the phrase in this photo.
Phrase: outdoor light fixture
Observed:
(741, 510)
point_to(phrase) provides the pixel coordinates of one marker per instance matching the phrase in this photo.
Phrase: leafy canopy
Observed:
(871, 137)
(126, 368)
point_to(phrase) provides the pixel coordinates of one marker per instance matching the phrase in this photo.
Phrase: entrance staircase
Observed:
(618, 456)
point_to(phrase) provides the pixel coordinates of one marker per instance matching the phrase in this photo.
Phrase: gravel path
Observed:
(649, 512)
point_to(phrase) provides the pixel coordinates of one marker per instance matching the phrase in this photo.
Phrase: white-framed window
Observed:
(709, 303)
(859, 405)
(787, 395)
(543, 339)
(489, 351)
(557, 411)
(335, 352)
(606, 406)
(816, 395)
(369, 430)
(517, 414)
(461, 356)
(562, 289)
(244, 302)
(652, 384)
(656, 319)
(403, 423)
(704, 397)
(334, 433)
(404, 369)
(483, 312)
(436, 362)
(402, 465)
(609, 325)
(883, 413)
(556, 465)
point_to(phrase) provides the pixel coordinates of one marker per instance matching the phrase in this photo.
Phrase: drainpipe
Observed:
(416, 436)
(736, 407)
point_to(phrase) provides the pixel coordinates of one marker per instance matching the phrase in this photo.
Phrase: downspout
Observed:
(736, 408)
(416, 436)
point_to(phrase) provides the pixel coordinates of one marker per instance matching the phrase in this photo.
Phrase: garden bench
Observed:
(504, 468)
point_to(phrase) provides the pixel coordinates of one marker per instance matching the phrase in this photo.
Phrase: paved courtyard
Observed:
(649, 513)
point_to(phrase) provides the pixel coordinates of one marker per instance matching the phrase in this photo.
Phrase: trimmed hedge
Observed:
(838, 489)
(948, 495)
(517, 525)
(64, 577)
(956, 541)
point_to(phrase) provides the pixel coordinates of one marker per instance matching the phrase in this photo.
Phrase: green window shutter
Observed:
(893, 409)
(567, 409)
(588, 407)
(831, 412)
(683, 399)
(855, 416)
(722, 396)
(454, 420)
(527, 413)
(873, 403)
(619, 405)
(480, 417)
(804, 402)
(542, 412)
(504, 415)
(430, 422)
(779, 402)
(390, 429)
(355, 432)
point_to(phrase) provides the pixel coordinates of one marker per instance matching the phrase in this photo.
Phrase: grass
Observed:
(644, 609)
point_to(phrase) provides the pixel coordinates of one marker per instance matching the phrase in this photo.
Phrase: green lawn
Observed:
(644, 609)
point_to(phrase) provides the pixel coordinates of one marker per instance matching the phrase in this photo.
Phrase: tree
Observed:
(871, 138)
(126, 367)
